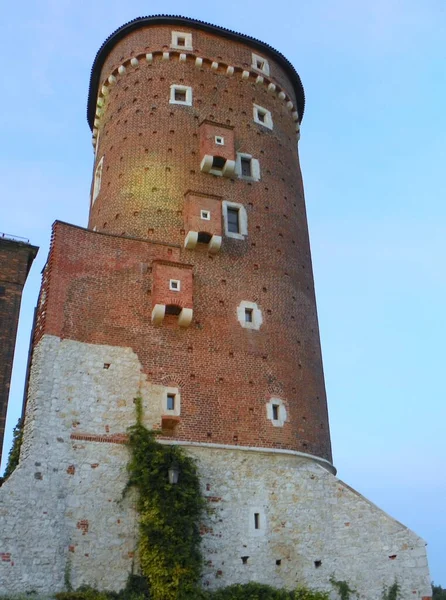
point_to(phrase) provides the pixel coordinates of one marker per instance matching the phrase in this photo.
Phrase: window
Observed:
(262, 116)
(174, 285)
(247, 167)
(260, 63)
(219, 140)
(276, 412)
(181, 40)
(205, 215)
(170, 402)
(233, 220)
(181, 94)
(256, 520)
(249, 315)
(97, 180)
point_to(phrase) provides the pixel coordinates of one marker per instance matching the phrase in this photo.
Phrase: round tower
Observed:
(195, 130)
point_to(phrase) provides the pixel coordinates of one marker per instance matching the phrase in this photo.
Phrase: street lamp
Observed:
(174, 473)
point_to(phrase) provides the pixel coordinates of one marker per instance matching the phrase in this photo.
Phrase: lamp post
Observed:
(174, 473)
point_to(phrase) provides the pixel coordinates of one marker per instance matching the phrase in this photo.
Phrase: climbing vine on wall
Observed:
(14, 453)
(169, 539)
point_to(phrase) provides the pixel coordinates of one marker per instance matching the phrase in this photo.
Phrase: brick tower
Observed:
(16, 258)
(192, 287)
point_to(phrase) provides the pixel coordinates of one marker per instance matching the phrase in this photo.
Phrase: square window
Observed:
(218, 162)
(262, 116)
(174, 285)
(260, 63)
(170, 404)
(180, 95)
(180, 39)
(275, 408)
(205, 215)
(219, 140)
(246, 167)
(233, 220)
(248, 315)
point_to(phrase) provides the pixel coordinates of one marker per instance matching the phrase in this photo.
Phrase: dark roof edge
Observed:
(139, 22)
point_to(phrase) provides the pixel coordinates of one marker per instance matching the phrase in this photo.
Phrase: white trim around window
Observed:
(184, 89)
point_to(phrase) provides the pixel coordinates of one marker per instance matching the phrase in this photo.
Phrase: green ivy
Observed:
(343, 589)
(391, 593)
(169, 539)
(14, 453)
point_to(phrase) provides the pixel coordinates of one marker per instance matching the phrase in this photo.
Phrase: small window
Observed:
(248, 315)
(260, 63)
(181, 94)
(205, 215)
(219, 140)
(233, 220)
(174, 285)
(256, 520)
(181, 40)
(262, 116)
(246, 167)
(275, 408)
(97, 179)
(170, 404)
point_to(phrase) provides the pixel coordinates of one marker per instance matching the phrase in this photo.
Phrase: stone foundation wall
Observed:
(273, 517)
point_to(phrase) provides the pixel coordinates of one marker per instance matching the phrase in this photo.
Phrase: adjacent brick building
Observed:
(16, 258)
(192, 288)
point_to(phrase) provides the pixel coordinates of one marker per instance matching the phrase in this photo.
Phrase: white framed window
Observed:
(256, 521)
(262, 116)
(247, 167)
(260, 64)
(181, 40)
(249, 315)
(235, 220)
(219, 140)
(171, 402)
(97, 180)
(276, 412)
(180, 94)
(205, 215)
(174, 285)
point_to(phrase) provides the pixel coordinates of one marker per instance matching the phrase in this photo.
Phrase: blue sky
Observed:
(372, 153)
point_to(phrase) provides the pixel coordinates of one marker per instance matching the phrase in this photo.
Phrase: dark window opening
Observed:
(180, 95)
(248, 315)
(218, 162)
(278, 562)
(256, 520)
(203, 237)
(260, 64)
(181, 41)
(245, 560)
(170, 401)
(246, 167)
(173, 309)
(261, 116)
(2, 290)
(317, 563)
(275, 412)
(233, 220)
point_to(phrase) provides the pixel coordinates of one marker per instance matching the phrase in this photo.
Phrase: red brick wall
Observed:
(101, 288)
(193, 205)
(208, 131)
(15, 261)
